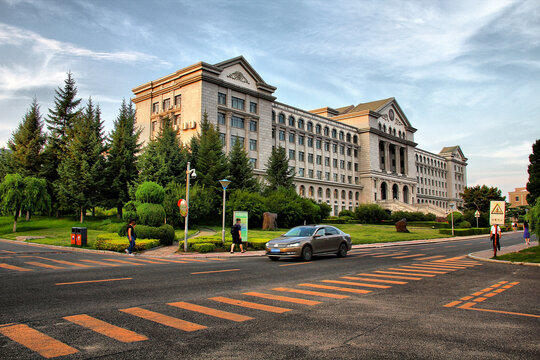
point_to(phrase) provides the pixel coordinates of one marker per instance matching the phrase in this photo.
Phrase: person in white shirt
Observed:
(495, 235)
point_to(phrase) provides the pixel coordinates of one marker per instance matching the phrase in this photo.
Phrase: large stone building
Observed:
(518, 197)
(345, 156)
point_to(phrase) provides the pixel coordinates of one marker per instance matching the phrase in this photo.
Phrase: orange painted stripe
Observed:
(282, 298)
(168, 260)
(455, 258)
(213, 271)
(503, 282)
(466, 298)
(148, 261)
(328, 287)
(91, 281)
(36, 341)
(431, 257)
(99, 262)
(467, 305)
(388, 255)
(452, 304)
(163, 319)
(314, 293)
(10, 252)
(402, 273)
(209, 311)
(375, 280)
(480, 299)
(441, 266)
(508, 286)
(391, 276)
(103, 328)
(124, 262)
(62, 261)
(412, 269)
(515, 283)
(426, 270)
(7, 257)
(196, 260)
(250, 305)
(499, 290)
(490, 294)
(13, 267)
(503, 312)
(477, 293)
(409, 256)
(217, 259)
(40, 264)
(300, 263)
(356, 284)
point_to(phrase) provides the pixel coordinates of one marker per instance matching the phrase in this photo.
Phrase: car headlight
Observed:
(266, 245)
(296, 244)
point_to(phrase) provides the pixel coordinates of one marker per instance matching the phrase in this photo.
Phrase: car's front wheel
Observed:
(342, 251)
(307, 253)
(274, 258)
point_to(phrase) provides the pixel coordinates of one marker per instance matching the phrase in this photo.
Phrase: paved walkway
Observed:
(486, 255)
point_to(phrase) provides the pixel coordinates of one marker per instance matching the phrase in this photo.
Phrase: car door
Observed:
(333, 239)
(319, 241)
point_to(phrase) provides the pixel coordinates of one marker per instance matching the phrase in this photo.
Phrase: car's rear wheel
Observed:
(307, 253)
(274, 258)
(342, 251)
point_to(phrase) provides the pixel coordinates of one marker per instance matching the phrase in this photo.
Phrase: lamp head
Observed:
(224, 183)
(193, 174)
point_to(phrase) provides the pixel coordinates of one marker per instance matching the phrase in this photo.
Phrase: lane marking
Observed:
(43, 265)
(99, 262)
(148, 261)
(430, 257)
(442, 266)
(499, 311)
(213, 271)
(13, 267)
(209, 311)
(9, 252)
(125, 262)
(196, 260)
(163, 319)
(430, 267)
(92, 281)
(62, 261)
(425, 270)
(402, 273)
(314, 293)
(458, 263)
(36, 341)
(417, 271)
(344, 289)
(250, 305)
(302, 263)
(375, 280)
(217, 259)
(390, 276)
(104, 328)
(168, 260)
(356, 284)
(408, 256)
(282, 298)
(466, 298)
(388, 255)
(7, 257)
(452, 304)
(480, 299)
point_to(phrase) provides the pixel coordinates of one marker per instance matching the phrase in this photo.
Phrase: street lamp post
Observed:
(224, 183)
(190, 173)
(452, 217)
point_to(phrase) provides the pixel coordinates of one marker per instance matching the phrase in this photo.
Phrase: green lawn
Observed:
(531, 255)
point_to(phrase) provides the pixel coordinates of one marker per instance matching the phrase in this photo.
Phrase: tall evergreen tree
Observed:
(278, 172)
(533, 186)
(478, 197)
(164, 159)
(6, 161)
(27, 143)
(123, 146)
(241, 169)
(211, 160)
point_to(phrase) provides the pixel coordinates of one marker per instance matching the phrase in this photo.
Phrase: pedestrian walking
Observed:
(236, 232)
(495, 236)
(526, 234)
(131, 236)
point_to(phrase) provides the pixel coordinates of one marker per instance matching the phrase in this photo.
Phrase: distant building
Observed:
(518, 197)
(345, 157)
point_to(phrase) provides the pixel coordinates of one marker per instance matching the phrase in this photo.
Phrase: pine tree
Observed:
(211, 160)
(27, 143)
(240, 169)
(278, 172)
(6, 163)
(121, 167)
(164, 160)
(533, 186)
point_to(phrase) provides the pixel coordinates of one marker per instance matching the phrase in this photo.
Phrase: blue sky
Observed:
(464, 72)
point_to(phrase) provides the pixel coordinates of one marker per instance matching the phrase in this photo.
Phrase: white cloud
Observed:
(18, 77)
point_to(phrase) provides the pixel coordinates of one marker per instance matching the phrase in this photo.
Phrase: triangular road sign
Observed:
(497, 209)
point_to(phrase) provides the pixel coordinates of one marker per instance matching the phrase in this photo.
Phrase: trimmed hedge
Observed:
(465, 232)
(464, 224)
(151, 214)
(204, 247)
(165, 233)
(334, 221)
(113, 242)
(255, 244)
(150, 192)
(429, 224)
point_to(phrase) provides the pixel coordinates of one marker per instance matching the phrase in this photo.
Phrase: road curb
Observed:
(481, 258)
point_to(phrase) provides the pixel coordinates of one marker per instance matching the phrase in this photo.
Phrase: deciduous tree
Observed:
(478, 197)
(12, 196)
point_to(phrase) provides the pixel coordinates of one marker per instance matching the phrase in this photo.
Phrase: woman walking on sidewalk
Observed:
(131, 236)
(526, 234)
(495, 236)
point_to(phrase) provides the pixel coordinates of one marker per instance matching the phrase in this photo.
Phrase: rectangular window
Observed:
(220, 118)
(301, 156)
(178, 100)
(319, 175)
(349, 151)
(292, 154)
(301, 139)
(237, 103)
(318, 143)
(310, 158)
(334, 148)
(176, 118)
(252, 144)
(319, 159)
(222, 99)
(326, 161)
(253, 162)
(237, 122)
(154, 125)
(350, 179)
(335, 177)
(342, 164)
(310, 173)
(342, 150)
(252, 125)
(155, 107)
(292, 169)
(234, 139)
(301, 172)
(222, 138)
(273, 133)
(355, 153)
(166, 104)
(281, 135)
(343, 178)
(349, 165)
(253, 107)
(327, 176)
(356, 181)
(310, 141)
(326, 146)
(291, 137)
(355, 167)
(334, 162)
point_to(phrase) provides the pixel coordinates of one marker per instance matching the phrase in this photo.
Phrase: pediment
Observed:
(391, 111)
(239, 72)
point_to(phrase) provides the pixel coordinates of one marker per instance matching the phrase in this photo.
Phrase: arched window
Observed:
(357, 196)
(291, 121)
(328, 193)
(309, 126)
(334, 133)
(343, 195)
(326, 131)
(319, 192)
(311, 191)
(399, 133)
(300, 123)
(406, 194)
(384, 128)
(348, 137)
(394, 132)
(355, 139)
(380, 126)
(384, 191)
(350, 195)
(302, 190)
(336, 194)
(273, 116)
(416, 157)
(317, 129)
(281, 118)
(395, 192)
(341, 135)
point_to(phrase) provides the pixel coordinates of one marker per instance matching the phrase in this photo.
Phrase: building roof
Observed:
(372, 105)
(449, 149)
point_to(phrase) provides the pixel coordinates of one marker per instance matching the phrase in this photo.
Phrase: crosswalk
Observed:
(274, 300)
(37, 262)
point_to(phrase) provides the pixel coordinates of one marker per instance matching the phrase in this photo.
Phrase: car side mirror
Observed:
(317, 236)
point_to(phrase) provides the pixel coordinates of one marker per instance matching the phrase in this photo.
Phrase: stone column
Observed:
(398, 159)
(387, 160)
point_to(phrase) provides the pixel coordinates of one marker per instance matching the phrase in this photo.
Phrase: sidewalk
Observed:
(486, 255)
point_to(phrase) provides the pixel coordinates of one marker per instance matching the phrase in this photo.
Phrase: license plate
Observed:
(274, 250)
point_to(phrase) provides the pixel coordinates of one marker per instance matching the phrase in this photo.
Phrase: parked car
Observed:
(308, 240)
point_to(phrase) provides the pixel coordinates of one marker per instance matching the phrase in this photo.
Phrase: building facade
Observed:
(518, 197)
(345, 156)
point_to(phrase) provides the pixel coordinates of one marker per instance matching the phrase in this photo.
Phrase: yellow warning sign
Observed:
(497, 211)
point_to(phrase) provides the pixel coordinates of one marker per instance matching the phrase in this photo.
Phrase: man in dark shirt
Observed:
(236, 232)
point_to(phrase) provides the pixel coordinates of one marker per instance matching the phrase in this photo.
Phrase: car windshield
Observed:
(300, 231)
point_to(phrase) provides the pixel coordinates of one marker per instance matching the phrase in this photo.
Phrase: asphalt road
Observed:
(409, 302)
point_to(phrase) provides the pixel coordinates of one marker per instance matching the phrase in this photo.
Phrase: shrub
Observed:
(204, 247)
(465, 232)
(370, 213)
(324, 210)
(130, 211)
(257, 244)
(347, 213)
(173, 192)
(165, 233)
(151, 214)
(334, 221)
(253, 203)
(150, 192)
(457, 217)
(464, 224)
(113, 242)
(216, 241)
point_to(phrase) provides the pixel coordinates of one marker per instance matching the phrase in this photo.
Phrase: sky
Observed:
(465, 72)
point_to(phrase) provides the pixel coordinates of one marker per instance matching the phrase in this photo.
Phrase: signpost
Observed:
(477, 215)
(243, 216)
(497, 211)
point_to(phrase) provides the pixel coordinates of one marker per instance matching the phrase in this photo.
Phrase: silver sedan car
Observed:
(308, 240)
